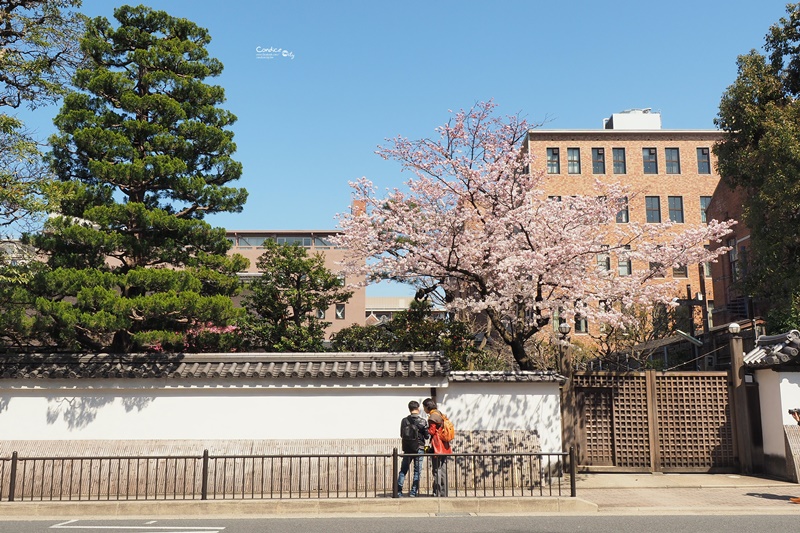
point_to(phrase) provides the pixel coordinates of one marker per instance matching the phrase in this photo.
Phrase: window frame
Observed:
(553, 161)
(340, 312)
(573, 164)
(598, 161)
(675, 209)
(657, 270)
(580, 325)
(704, 209)
(624, 215)
(620, 164)
(650, 160)
(681, 272)
(624, 262)
(656, 210)
(703, 160)
(672, 160)
(604, 259)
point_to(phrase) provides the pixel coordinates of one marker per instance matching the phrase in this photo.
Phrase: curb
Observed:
(292, 508)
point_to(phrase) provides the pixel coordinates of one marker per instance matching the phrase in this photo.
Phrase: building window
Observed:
(249, 242)
(320, 242)
(653, 209)
(603, 259)
(707, 265)
(673, 158)
(703, 161)
(557, 320)
(598, 161)
(675, 208)
(680, 272)
(574, 160)
(619, 160)
(321, 314)
(554, 198)
(339, 311)
(657, 269)
(305, 242)
(624, 262)
(553, 162)
(733, 259)
(623, 217)
(649, 160)
(581, 325)
(705, 201)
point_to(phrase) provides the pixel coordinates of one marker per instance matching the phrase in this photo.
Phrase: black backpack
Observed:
(409, 433)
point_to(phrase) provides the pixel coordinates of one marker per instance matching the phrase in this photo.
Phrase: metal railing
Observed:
(241, 477)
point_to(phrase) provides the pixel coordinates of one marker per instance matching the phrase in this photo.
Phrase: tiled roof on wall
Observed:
(332, 365)
(773, 350)
(505, 377)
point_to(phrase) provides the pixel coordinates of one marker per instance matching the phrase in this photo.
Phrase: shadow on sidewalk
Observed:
(768, 496)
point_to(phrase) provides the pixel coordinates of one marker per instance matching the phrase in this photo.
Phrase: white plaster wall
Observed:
(506, 406)
(168, 409)
(163, 409)
(778, 392)
(769, 395)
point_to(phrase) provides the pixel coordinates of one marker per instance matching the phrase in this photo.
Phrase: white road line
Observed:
(152, 529)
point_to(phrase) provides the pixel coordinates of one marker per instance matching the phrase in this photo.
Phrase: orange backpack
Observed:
(447, 430)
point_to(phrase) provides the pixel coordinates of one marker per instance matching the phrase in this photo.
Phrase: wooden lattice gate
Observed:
(654, 421)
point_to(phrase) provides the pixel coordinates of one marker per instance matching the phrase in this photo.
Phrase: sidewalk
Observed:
(597, 493)
(686, 493)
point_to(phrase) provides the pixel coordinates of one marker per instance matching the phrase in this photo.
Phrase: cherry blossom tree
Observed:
(475, 225)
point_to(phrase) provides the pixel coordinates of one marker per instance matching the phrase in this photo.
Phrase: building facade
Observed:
(732, 302)
(671, 173)
(250, 244)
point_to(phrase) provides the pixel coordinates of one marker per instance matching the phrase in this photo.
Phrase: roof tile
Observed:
(229, 365)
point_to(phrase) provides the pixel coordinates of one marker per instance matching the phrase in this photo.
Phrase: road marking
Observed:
(71, 524)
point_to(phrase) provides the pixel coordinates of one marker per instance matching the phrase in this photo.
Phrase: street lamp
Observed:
(734, 328)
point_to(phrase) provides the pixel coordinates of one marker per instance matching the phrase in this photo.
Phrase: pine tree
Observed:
(143, 153)
(285, 299)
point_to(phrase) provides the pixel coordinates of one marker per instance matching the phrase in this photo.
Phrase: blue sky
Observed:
(356, 73)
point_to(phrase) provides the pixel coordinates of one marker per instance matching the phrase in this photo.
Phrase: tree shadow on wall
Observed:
(496, 437)
(78, 412)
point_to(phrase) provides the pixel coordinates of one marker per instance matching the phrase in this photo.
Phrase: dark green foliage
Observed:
(416, 330)
(784, 318)
(284, 300)
(760, 114)
(143, 153)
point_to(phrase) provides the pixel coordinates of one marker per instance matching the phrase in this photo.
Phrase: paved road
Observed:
(441, 524)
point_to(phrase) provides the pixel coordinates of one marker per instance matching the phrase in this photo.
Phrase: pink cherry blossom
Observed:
(475, 224)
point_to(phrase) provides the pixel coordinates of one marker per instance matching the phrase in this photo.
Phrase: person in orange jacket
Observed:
(440, 449)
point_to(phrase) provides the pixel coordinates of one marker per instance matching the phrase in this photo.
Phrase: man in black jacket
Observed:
(413, 432)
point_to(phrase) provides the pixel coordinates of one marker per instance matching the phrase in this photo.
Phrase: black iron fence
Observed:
(219, 477)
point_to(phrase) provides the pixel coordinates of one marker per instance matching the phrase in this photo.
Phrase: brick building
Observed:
(732, 303)
(249, 243)
(672, 174)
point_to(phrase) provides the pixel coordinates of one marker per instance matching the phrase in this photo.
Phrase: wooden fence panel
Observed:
(695, 430)
(655, 421)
